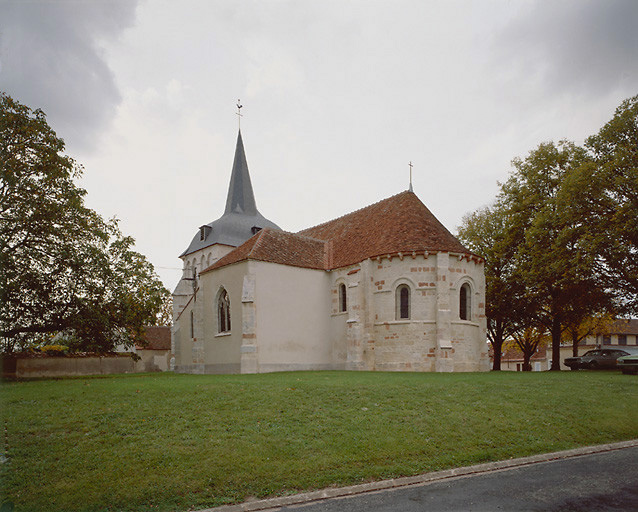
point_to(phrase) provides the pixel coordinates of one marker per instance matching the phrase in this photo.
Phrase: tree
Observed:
(552, 261)
(575, 332)
(62, 267)
(165, 315)
(528, 340)
(605, 196)
(485, 232)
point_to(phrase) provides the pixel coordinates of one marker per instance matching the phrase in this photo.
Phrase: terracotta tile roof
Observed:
(279, 247)
(398, 224)
(624, 326)
(157, 337)
(401, 223)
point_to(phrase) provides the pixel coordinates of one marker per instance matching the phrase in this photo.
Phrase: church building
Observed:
(385, 288)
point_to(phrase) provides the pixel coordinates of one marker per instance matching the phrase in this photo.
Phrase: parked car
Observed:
(598, 359)
(628, 364)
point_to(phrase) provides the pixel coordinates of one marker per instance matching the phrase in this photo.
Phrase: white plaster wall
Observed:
(292, 312)
(199, 260)
(181, 341)
(222, 351)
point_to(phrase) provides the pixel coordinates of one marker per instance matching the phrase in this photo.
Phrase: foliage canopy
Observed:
(561, 240)
(64, 271)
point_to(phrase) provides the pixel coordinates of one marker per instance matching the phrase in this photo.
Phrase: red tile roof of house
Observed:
(398, 224)
(513, 354)
(157, 338)
(624, 326)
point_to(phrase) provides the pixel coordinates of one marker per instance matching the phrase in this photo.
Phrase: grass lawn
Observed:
(176, 442)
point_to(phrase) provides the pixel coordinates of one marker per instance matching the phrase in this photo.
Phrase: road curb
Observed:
(394, 483)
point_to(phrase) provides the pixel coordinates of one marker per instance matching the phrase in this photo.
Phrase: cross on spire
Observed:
(410, 164)
(238, 113)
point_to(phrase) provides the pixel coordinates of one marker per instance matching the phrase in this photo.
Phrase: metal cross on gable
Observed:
(410, 164)
(238, 113)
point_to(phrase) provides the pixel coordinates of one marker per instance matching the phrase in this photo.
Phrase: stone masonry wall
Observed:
(433, 338)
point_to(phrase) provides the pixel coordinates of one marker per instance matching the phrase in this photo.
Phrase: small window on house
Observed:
(192, 325)
(223, 312)
(255, 229)
(606, 339)
(343, 299)
(465, 303)
(403, 302)
(622, 339)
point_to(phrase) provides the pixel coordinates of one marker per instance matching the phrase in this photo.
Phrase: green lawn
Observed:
(172, 442)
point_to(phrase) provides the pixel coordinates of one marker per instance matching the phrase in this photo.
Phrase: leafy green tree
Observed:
(485, 232)
(552, 261)
(576, 331)
(528, 340)
(604, 195)
(62, 267)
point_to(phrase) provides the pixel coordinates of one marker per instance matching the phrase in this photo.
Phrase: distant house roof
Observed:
(157, 337)
(398, 224)
(624, 326)
(514, 354)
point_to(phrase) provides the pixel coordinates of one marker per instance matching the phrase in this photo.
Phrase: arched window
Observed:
(223, 312)
(403, 302)
(343, 298)
(465, 303)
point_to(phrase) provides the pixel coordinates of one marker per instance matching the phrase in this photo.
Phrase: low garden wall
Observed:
(71, 366)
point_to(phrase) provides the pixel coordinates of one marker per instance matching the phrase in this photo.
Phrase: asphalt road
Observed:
(599, 482)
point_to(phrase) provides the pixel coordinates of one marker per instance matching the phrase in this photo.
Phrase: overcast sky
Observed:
(339, 96)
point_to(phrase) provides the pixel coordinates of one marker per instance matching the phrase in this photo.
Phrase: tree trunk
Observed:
(497, 347)
(575, 341)
(556, 332)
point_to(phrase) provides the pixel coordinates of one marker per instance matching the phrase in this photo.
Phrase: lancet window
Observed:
(403, 302)
(343, 298)
(223, 312)
(465, 303)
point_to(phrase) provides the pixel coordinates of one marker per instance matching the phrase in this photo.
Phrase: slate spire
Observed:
(240, 191)
(241, 219)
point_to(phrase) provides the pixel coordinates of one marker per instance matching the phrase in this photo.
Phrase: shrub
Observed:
(54, 350)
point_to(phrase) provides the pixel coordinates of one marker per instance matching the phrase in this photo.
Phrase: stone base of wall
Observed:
(208, 368)
(297, 367)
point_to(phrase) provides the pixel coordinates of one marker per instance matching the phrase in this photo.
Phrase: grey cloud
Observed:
(50, 58)
(584, 46)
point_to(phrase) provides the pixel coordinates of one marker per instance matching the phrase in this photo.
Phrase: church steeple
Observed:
(240, 191)
(241, 219)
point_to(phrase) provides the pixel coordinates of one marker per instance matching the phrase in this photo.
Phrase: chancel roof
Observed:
(401, 223)
(241, 219)
(398, 224)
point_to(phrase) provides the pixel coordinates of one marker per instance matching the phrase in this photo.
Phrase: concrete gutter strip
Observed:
(342, 492)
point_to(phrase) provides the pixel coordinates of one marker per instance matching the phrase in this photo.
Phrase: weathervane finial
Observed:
(239, 115)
